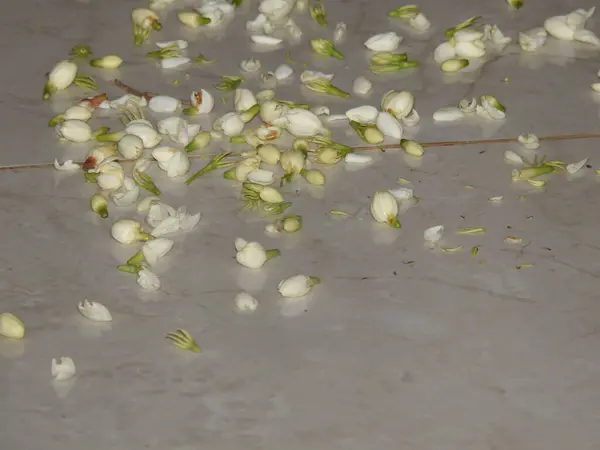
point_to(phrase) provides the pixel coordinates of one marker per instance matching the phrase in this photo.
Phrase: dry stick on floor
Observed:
(146, 95)
(378, 147)
(149, 95)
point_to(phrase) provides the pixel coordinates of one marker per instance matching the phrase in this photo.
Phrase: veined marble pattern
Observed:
(398, 348)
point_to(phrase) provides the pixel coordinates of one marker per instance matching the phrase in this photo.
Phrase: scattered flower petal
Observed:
(94, 311)
(148, 280)
(245, 303)
(67, 166)
(62, 368)
(576, 167)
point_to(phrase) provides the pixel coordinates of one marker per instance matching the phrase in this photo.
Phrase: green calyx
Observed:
(81, 51)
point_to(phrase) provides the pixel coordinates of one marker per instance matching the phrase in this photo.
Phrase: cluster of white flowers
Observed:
(120, 160)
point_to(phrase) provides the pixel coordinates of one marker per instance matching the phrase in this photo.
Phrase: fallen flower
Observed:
(144, 21)
(11, 326)
(62, 368)
(148, 280)
(362, 86)
(384, 208)
(252, 254)
(127, 194)
(384, 42)
(339, 33)
(99, 205)
(107, 62)
(433, 235)
(529, 141)
(297, 286)
(128, 231)
(94, 311)
(163, 104)
(324, 47)
(173, 161)
(60, 77)
(244, 302)
(412, 148)
(67, 166)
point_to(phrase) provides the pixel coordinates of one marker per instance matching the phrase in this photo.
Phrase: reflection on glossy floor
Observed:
(400, 347)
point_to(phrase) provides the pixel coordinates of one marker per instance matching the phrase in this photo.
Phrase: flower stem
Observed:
(213, 164)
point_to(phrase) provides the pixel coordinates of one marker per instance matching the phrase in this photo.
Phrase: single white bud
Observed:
(297, 286)
(11, 326)
(384, 208)
(269, 153)
(130, 146)
(107, 62)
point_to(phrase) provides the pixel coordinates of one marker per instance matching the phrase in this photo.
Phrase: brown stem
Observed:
(146, 95)
(483, 141)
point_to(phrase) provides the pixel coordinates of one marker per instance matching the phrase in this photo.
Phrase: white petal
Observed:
(420, 22)
(383, 42)
(362, 86)
(283, 72)
(529, 141)
(321, 110)
(474, 49)
(336, 118)
(240, 244)
(145, 204)
(265, 40)
(402, 193)
(339, 33)
(67, 166)
(261, 176)
(187, 222)
(94, 311)
(587, 36)
(148, 280)
(244, 302)
(389, 125)
(62, 368)
(354, 158)
(363, 114)
(576, 167)
(448, 114)
(467, 35)
(250, 65)
(513, 157)
(557, 27)
(444, 52)
(173, 63)
(180, 44)
(576, 19)
(468, 106)
(433, 234)
(309, 75)
(127, 99)
(163, 104)
(127, 194)
(155, 249)
(412, 119)
(159, 212)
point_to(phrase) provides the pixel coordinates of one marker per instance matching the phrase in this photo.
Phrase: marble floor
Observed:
(400, 346)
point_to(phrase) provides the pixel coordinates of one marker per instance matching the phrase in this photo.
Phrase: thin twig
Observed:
(146, 95)
(48, 165)
(149, 95)
(484, 141)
